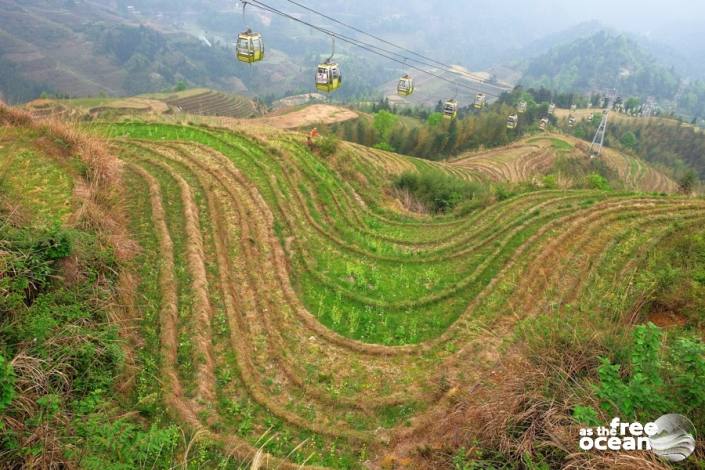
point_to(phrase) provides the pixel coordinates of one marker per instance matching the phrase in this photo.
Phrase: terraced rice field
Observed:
(638, 174)
(285, 309)
(516, 163)
(532, 158)
(213, 103)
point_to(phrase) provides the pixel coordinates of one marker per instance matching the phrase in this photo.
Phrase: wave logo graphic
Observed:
(674, 439)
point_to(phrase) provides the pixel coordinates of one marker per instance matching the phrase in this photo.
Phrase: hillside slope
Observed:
(289, 314)
(316, 262)
(88, 48)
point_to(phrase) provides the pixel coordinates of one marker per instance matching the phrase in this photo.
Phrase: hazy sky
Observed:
(635, 15)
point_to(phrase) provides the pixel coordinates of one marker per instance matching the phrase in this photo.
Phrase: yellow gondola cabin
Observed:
(480, 101)
(450, 109)
(328, 77)
(405, 87)
(250, 47)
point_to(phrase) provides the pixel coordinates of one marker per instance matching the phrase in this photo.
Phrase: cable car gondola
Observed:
(249, 47)
(551, 108)
(512, 121)
(450, 109)
(328, 76)
(521, 108)
(405, 87)
(571, 122)
(573, 108)
(480, 101)
(543, 124)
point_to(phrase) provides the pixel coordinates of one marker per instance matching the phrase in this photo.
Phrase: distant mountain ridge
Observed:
(87, 48)
(602, 61)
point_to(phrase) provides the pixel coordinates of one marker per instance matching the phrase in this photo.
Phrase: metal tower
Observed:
(599, 140)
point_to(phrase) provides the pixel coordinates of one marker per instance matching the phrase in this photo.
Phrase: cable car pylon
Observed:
(599, 139)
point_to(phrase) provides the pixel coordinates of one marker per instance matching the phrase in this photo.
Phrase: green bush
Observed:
(597, 181)
(439, 191)
(384, 146)
(550, 182)
(122, 444)
(327, 145)
(434, 119)
(629, 140)
(661, 376)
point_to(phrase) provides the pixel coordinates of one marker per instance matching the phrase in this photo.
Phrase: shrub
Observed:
(550, 182)
(327, 145)
(687, 182)
(439, 191)
(108, 443)
(434, 119)
(597, 181)
(661, 376)
(384, 146)
(629, 140)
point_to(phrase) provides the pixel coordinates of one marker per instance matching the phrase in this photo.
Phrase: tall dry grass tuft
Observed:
(409, 202)
(257, 461)
(508, 416)
(99, 189)
(615, 461)
(35, 378)
(516, 417)
(14, 117)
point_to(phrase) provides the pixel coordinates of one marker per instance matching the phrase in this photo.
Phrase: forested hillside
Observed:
(602, 61)
(692, 101)
(671, 144)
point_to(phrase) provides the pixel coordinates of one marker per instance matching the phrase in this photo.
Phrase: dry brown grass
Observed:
(509, 415)
(409, 202)
(35, 378)
(99, 193)
(615, 461)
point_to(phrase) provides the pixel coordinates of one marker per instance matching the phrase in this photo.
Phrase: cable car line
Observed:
(330, 18)
(447, 67)
(367, 46)
(372, 49)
